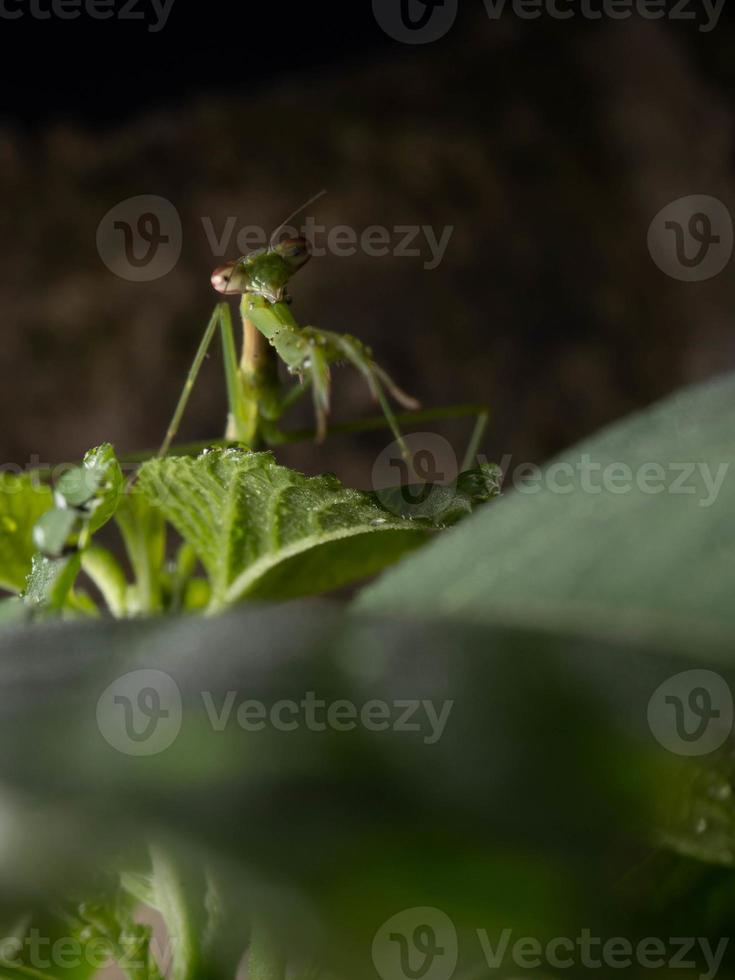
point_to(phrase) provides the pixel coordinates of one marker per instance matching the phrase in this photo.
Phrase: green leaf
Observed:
(105, 475)
(50, 582)
(631, 531)
(264, 531)
(541, 793)
(12, 610)
(629, 535)
(440, 505)
(94, 488)
(86, 498)
(22, 502)
(54, 530)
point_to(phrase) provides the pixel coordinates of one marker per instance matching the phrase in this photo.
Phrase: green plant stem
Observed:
(144, 536)
(103, 569)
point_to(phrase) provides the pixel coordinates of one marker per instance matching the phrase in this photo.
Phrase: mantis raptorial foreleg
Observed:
(256, 399)
(308, 352)
(347, 348)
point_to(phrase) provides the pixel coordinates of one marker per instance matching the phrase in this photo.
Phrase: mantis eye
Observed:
(294, 251)
(224, 280)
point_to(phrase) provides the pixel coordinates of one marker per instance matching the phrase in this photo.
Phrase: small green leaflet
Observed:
(441, 505)
(50, 582)
(22, 502)
(85, 499)
(264, 531)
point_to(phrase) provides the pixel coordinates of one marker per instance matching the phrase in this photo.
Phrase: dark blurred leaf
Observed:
(542, 789)
(602, 561)
(605, 559)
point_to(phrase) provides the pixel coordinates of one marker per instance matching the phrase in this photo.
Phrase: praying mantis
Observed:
(256, 398)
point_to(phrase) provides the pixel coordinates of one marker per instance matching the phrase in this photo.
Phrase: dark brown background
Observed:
(549, 146)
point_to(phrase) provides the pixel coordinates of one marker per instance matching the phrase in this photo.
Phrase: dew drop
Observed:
(378, 521)
(700, 826)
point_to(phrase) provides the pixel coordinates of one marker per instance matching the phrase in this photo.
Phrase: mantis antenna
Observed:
(283, 224)
(298, 211)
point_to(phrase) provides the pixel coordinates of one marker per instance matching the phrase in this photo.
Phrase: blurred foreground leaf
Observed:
(506, 776)
(630, 535)
(631, 530)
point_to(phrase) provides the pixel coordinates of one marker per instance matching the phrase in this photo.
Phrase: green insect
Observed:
(256, 398)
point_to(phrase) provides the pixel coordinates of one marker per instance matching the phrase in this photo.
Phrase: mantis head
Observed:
(265, 271)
